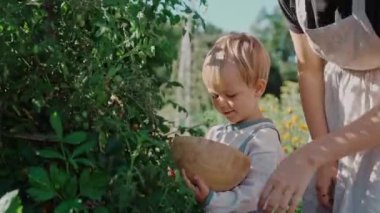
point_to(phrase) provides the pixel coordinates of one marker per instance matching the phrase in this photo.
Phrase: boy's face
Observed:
(233, 98)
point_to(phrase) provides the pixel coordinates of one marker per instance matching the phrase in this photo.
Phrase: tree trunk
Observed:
(184, 74)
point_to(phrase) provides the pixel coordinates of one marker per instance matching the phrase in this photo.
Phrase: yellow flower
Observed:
(288, 124)
(286, 137)
(296, 140)
(303, 127)
(295, 119)
(287, 150)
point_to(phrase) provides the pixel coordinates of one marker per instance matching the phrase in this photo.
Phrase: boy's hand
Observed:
(197, 185)
(326, 178)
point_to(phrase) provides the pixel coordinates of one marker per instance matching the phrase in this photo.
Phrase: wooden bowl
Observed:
(222, 167)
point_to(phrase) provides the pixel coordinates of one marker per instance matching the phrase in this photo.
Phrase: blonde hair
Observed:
(242, 50)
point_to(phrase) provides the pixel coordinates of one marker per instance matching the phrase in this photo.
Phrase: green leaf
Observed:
(39, 180)
(173, 84)
(83, 148)
(60, 180)
(55, 122)
(69, 206)
(10, 202)
(101, 210)
(188, 9)
(113, 146)
(109, 3)
(93, 185)
(102, 29)
(40, 195)
(71, 188)
(76, 138)
(113, 71)
(49, 153)
(85, 162)
(73, 163)
(38, 176)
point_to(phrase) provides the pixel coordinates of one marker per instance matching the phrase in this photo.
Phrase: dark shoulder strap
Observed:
(253, 133)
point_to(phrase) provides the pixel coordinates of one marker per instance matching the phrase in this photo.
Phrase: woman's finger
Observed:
(294, 201)
(274, 199)
(294, 173)
(323, 194)
(284, 204)
(265, 194)
(332, 191)
(324, 198)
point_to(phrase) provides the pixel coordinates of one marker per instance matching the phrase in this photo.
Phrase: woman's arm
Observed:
(311, 82)
(312, 90)
(288, 183)
(362, 134)
(310, 68)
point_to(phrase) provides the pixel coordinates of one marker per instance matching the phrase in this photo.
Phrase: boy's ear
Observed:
(260, 86)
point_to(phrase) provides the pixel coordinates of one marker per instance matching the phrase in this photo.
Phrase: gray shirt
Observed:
(259, 140)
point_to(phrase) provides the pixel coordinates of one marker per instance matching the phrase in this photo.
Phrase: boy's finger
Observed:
(183, 173)
(184, 176)
(187, 181)
(199, 182)
(190, 185)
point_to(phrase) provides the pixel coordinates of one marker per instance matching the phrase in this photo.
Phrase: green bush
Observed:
(79, 95)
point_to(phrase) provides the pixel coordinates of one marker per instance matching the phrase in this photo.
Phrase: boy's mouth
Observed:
(228, 112)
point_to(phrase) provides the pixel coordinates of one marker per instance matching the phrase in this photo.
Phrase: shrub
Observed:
(79, 95)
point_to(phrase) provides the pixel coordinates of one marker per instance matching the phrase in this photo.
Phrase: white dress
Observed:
(352, 87)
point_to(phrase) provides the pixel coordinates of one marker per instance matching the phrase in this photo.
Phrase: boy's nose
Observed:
(223, 103)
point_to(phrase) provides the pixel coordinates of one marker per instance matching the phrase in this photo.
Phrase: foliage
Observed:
(288, 116)
(202, 41)
(80, 85)
(10, 203)
(271, 28)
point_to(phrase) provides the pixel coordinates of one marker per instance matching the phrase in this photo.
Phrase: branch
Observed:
(33, 137)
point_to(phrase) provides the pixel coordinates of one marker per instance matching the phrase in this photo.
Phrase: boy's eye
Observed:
(231, 96)
(214, 96)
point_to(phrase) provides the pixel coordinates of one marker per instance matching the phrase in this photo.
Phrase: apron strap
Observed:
(253, 134)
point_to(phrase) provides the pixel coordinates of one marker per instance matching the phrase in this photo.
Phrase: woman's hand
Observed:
(285, 188)
(326, 178)
(197, 185)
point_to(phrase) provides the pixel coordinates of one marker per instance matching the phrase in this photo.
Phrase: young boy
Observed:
(235, 73)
